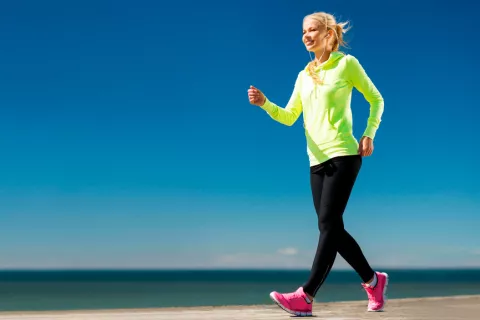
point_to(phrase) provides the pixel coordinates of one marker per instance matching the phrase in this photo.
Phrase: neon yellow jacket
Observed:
(326, 107)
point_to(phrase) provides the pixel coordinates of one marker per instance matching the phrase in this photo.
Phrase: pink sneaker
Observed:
(293, 303)
(377, 296)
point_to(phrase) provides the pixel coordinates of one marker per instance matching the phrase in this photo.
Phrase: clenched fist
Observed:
(256, 97)
(365, 147)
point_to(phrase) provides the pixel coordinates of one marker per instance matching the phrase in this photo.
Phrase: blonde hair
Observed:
(330, 23)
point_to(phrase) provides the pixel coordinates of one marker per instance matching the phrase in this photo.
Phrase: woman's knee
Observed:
(331, 225)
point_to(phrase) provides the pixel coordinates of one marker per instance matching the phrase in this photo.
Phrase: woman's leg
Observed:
(331, 189)
(349, 249)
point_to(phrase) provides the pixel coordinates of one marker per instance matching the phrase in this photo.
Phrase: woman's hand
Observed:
(365, 147)
(256, 96)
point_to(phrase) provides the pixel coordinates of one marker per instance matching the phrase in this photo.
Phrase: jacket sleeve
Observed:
(288, 115)
(361, 81)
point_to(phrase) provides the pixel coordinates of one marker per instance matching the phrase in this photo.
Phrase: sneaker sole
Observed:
(384, 294)
(296, 313)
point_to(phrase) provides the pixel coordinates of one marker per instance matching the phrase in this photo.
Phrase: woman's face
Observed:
(314, 35)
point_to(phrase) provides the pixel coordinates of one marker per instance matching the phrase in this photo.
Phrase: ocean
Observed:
(107, 289)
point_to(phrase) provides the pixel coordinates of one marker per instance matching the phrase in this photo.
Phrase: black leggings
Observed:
(332, 183)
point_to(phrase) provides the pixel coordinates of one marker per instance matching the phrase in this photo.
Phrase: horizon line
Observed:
(426, 268)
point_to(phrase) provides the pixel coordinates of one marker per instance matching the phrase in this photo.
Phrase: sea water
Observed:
(104, 289)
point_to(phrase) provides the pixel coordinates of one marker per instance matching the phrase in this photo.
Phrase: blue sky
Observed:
(128, 141)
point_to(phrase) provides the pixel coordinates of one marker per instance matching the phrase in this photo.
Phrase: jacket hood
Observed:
(334, 56)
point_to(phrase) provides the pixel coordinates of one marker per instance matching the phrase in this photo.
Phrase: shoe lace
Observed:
(369, 292)
(293, 295)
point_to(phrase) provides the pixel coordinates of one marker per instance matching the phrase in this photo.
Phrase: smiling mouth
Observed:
(308, 43)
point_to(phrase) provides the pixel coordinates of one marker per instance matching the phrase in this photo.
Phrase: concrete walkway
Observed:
(448, 308)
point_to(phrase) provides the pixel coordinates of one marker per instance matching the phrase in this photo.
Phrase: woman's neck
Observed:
(322, 56)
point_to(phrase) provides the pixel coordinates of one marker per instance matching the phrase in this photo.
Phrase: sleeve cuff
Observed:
(268, 106)
(370, 132)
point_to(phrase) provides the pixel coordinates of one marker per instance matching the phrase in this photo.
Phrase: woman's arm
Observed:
(288, 115)
(361, 81)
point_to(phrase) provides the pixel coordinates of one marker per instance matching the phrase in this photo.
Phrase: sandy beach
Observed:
(452, 308)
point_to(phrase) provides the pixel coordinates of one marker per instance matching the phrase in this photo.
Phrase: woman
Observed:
(322, 92)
